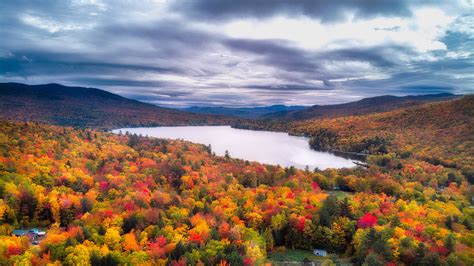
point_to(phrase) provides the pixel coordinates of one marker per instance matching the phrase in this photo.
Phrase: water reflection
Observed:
(262, 146)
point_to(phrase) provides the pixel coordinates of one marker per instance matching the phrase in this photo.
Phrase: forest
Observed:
(89, 107)
(108, 199)
(122, 136)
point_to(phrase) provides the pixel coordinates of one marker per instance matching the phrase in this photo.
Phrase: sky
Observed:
(180, 53)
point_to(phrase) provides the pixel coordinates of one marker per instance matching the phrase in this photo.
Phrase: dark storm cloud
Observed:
(327, 11)
(391, 86)
(156, 96)
(174, 42)
(171, 47)
(276, 53)
(419, 80)
(120, 82)
(32, 62)
(170, 38)
(283, 56)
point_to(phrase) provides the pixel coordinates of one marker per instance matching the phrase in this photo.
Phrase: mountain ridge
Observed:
(88, 107)
(370, 105)
(91, 107)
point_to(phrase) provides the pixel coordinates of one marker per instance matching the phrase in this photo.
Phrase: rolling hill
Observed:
(438, 132)
(88, 107)
(365, 106)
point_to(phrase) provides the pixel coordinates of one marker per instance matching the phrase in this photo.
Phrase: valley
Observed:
(130, 198)
(236, 133)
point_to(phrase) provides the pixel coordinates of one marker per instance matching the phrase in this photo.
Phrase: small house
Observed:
(20, 232)
(320, 252)
(34, 234)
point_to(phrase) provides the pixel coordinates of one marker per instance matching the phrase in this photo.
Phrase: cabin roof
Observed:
(19, 232)
(22, 232)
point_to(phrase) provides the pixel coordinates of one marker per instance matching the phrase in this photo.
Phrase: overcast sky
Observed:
(241, 53)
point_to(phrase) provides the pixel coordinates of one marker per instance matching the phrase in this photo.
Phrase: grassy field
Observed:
(298, 256)
(340, 194)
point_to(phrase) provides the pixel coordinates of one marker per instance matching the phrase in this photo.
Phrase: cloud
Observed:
(120, 82)
(239, 53)
(379, 56)
(33, 61)
(328, 11)
(287, 87)
(275, 53)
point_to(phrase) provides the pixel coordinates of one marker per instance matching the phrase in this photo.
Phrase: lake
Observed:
(267, 147)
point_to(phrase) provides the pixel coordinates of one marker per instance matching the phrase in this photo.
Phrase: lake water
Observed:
(261, 146)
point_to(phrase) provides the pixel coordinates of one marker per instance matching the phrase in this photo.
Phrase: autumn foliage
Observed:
(108, 199)
(368, 220)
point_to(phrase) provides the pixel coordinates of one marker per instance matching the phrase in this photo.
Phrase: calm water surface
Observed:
(261, 146)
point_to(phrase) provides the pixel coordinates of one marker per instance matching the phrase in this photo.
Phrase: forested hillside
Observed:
(107, 200)
(440, 133)
(88, 107)
(365, 106)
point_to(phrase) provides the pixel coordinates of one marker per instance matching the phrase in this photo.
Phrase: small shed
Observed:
(320, 252)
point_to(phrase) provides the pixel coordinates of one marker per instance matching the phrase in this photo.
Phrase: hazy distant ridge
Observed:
(249, 112)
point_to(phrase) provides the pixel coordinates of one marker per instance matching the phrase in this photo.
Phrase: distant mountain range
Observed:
(88, 107)
(249, 112)
(365, 106)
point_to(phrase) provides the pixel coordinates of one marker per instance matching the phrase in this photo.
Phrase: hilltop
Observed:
(88, 107)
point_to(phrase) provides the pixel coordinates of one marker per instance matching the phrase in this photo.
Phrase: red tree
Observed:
(368, 220)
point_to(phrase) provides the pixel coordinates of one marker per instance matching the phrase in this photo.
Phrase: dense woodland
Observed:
(88, 107)
(371, 105)
(440, 133)
(109, 199)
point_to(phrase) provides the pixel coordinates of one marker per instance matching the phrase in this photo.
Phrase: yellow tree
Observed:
(80, 256)
(55, 207)
(112, 238)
